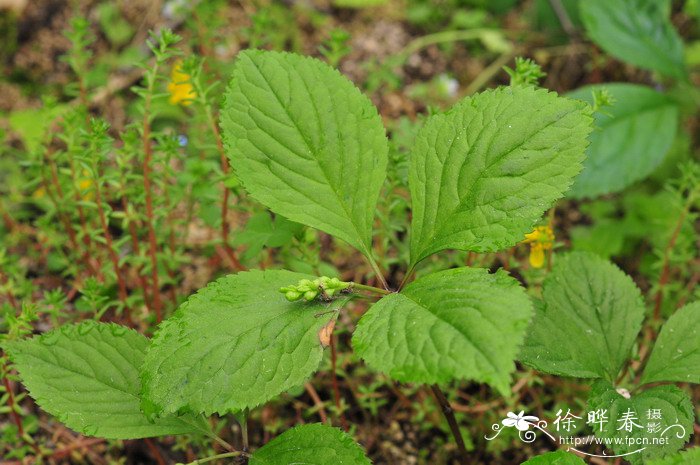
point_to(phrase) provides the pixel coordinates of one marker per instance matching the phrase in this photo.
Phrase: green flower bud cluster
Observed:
(308, 290)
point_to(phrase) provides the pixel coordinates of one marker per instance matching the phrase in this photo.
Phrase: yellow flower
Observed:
(540, 239)
(180, 89)
(40, 193)
(85, 186)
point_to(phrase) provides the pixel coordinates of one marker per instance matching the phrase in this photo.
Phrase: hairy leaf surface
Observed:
(456, 324)
(676, 353)
(485, 171)
(306, 143)
(631, 139)
(87, 375)
(687, 457)
(586, 326)
(235, 344)
(314, 444)
(675, 408)
(636, 31)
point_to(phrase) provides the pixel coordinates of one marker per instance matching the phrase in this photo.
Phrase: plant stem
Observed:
(152, 244)
(317, 401)
(409, 274)
(452, 421)
(135, 244)
(364, 287)
(441, 37)
(225, 194)
(666, 266)
(244, 431)
(334, 381)
(225, 455)
(110, 245)
(378, 272)
(11, 406)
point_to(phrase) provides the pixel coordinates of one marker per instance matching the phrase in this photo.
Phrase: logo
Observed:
(627, 430)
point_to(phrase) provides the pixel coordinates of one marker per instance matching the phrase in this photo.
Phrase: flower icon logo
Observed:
(521, 421)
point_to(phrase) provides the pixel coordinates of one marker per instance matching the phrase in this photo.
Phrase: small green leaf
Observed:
(636, 31)
(485, 171)
(586, 326)
(676, 354)
(687, 457)
(87, 375)
(306, 143)
(555, 458)
(673, 404)
(235, 344)
(314, 444)
(456, 324)
(631, 140)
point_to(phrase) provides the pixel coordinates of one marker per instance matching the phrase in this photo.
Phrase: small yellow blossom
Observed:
(540, 239)
(180, 89)
(85, 184)
(40, 193)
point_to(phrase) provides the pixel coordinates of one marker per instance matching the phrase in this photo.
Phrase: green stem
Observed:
(377, 271)
(376, 290)
(215, 457)
(408, 276)
(442, 37)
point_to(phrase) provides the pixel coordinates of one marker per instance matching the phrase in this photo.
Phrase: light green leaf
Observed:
(586, 326)
(687, 457)
(456, 324)
(306, 143)
(87, 375)
(485, 171)
(636, 31)
(676, 354)
(314, 444)
(555, 458)
(675, 409)
(235, 344)
(631, 139)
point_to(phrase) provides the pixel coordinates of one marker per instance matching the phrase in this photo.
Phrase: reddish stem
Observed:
(110, 249)
(666, 267)
(11, 405)
(225, 229)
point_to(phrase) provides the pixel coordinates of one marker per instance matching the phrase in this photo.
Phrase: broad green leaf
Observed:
(636, 31)
(555, 458)
(87, 375)
(631, 139)
(673, 404)
(586, 326)
(687, 457)
(306, 143)
(314, 444)
(676, 354)
(235, 344)
(463, 323)
(485, 171)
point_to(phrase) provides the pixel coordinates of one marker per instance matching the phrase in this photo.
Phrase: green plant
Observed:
(586, 327)
(634, 134)
(307, 144)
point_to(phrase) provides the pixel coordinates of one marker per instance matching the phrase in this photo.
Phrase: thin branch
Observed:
(152, 244)
(452, 421)
(317, 402)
